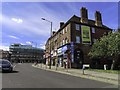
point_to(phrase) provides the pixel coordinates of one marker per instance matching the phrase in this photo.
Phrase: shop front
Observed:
(60, 57)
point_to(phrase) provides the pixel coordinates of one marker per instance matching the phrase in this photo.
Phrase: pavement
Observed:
(99, 76)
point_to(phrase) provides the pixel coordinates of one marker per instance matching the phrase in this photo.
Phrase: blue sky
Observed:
(21, 21)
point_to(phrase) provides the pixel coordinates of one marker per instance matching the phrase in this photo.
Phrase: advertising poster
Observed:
(86, 34)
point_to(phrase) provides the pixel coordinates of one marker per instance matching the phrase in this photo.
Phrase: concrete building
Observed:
(77, 35)
(25, 53)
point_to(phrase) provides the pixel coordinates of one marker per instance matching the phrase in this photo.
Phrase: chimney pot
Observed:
(53, 32)
(61, 24)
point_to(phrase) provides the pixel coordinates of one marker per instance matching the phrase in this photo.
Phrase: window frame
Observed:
(77, 26)
(77, 39)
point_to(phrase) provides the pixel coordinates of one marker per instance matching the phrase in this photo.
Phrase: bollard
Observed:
(105, 67)
(83, 69)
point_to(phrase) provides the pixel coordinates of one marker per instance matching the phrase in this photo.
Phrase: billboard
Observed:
(86, 34)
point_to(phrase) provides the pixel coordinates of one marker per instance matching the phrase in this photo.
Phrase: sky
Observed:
(21, 21)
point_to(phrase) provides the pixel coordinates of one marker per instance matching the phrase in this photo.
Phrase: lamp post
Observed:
(50, 36)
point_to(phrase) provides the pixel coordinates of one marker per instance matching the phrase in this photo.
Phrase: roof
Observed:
(77, 19)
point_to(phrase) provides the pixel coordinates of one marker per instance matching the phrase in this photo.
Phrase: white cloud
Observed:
(6, 48)
(13, 37)
(28, 42)
(17, 20)
(41, 44)
(30, 27)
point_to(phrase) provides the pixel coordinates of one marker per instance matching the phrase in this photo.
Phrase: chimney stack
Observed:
(61, 24)
(98, 18)
(84, 15)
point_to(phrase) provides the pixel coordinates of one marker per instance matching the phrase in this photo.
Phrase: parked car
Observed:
(5, 65)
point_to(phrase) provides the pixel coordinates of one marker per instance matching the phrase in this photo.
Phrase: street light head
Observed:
(43, 18)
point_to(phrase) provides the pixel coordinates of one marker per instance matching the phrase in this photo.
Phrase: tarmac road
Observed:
(26, 76)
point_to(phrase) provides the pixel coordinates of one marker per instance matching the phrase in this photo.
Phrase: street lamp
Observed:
(50, 23)
(50, 36)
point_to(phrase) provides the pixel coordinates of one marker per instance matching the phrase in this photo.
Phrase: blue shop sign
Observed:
(72, 51)
(64, 48)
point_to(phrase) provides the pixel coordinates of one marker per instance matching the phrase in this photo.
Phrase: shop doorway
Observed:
(78, 58)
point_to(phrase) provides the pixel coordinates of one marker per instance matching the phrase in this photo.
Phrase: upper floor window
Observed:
(60, 34)
(66, 29)
(66, 41)
(61, 44)
(93, 30)
(77, 39)
(63, 41)
(63, 31)
(77, 26)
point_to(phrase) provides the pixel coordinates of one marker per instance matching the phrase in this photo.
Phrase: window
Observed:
(66, 29)
(77, 26)
(63, 31)
(63, 41)
(93, 30)
(77, 39)
(60, 34)
(66, 41)
(61, 44)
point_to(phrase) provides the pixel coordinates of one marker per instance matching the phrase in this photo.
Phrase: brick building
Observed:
(4, 54)
(77, 34)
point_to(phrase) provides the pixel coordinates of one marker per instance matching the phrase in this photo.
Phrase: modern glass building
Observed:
(25, 53)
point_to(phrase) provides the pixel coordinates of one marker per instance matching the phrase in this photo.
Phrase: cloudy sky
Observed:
(21, 21)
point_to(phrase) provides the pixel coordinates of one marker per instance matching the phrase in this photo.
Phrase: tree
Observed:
(107, 46)
(114, 48)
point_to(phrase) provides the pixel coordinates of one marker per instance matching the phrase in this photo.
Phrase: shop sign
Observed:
(59, 51)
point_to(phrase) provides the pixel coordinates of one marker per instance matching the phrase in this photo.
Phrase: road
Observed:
(26, 76)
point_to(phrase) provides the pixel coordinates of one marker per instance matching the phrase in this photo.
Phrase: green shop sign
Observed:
(86, 34)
